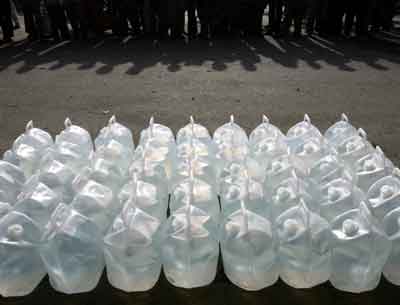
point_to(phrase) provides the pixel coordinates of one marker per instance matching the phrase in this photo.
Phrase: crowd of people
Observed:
(175, 19)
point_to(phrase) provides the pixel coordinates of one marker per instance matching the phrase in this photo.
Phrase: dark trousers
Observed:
(190, 7)
(336, 11)
(358, 10)
(255, 16)
(275, 11)
(135, 14)
(206, 10)
(182, 7)
(31, 11)
(149, 16)
(171, 18)
(58, 21)
(317, 16)
(91, 12)
(295, 13)
(74, 14)
(350, 14)
(5, 19)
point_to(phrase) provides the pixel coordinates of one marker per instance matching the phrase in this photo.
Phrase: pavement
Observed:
(283, 79)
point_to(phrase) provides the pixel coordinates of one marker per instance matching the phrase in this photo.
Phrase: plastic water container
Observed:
(58, 177)
(196, 156)
(149, 167)
(199, 194)
(68, 154)
(232, 144)
(308, 152)
(29, 147)
(10, 157)
(109, 167)
(340, 131)
(304, 251)
(384, 195)
(360, 249)
(117, 153)
(243, 189)
(279, 169)
(302, 131)
(145, 196)
(391, 224)
(21, 269)
(37, 201)
(60, 163)
(194, 130)
(288, 194)
(371, 168)
(328, 169)
(96, 202)
(72, 251)
(266, 142)
(131, 250)
(115, 131)
(5, 208)
(190, 245)
(76, 135)
(338, 197)
(354, 148)
(11, 180)
(158, 142)
(249, 249)
(195, 150)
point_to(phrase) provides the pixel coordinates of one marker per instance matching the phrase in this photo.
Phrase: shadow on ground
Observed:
(106, 54)
(220, 292)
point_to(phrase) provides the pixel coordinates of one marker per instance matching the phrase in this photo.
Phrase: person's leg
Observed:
(310, 16)
(134, 16)
(297, 21)
(148, 24)
(289, 15)
(14, 15)
(163, 19)
(72, 11)
(52, 12)
(350, 14)
(278, 17)
(261, 5)
(6, 21)
(63, 23)
(336, 18)
(178, 23)
(362, 18)
(204, 22)
(29, 21)
(120, 22)
(192, 20)
(84, 19)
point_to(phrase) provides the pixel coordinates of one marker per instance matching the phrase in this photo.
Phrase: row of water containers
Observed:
(306, 207)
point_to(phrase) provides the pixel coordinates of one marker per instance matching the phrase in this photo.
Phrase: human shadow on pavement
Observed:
(134, 56)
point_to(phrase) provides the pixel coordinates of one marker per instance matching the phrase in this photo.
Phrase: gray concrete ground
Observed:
(135, 79)
(283, 79)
